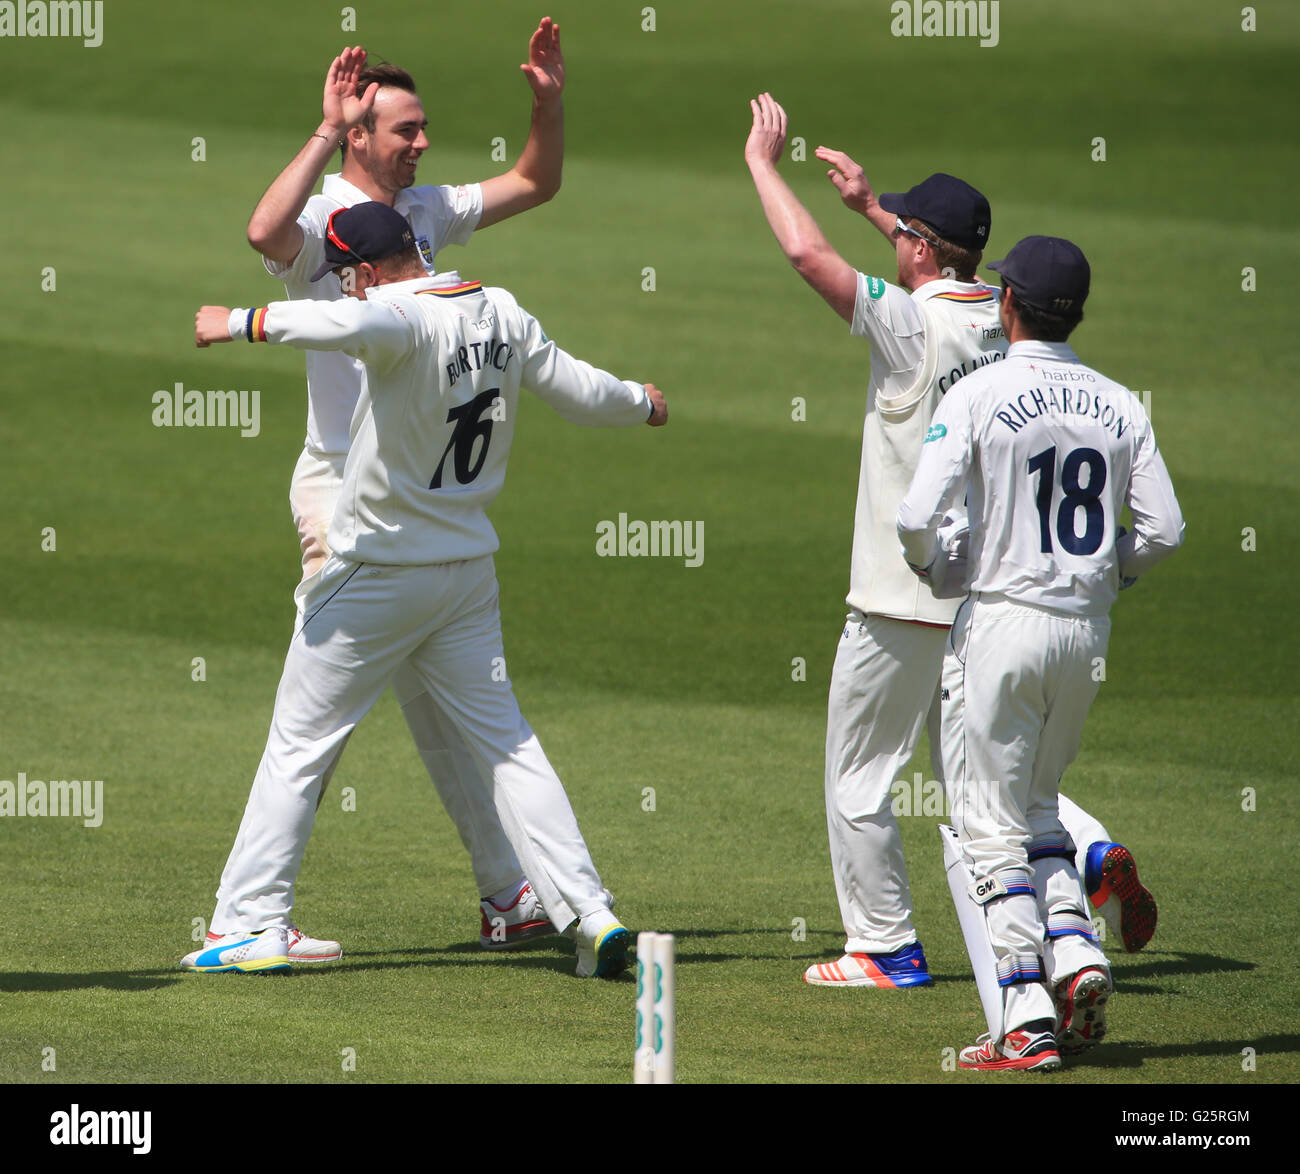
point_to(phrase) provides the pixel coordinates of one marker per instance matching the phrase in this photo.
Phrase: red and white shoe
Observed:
(505, 926)
(1031, 1048)
(307, 949)
(1081, 1010)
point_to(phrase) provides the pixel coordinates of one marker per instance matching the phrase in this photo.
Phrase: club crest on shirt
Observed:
(426, 252)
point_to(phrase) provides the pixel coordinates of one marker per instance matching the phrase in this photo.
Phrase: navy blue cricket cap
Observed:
(1048, 273)
(365, 232)
(950, 206)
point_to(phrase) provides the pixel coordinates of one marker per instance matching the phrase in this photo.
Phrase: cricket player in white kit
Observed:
(938, 324)
(376, 116)
(410, 576)
(1046, 452)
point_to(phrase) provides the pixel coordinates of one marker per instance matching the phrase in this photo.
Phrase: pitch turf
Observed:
(173, 544)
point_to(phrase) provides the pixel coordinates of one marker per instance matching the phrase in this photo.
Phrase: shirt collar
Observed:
(1036, 348)
(416, 284)
(338, 188)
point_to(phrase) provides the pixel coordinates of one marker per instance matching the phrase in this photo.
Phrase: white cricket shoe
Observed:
(602, 946)
(502, 927)
(571, 930)
(302, 948)
(262, 951)
(1081, 1010)
(307, 949)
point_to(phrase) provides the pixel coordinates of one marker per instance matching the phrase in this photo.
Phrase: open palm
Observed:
(545, 68)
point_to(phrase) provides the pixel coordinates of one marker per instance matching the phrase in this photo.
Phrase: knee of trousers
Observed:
(1060, 890)
(1015, 929)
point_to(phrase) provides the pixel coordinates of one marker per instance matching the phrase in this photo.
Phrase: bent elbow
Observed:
(258, 236)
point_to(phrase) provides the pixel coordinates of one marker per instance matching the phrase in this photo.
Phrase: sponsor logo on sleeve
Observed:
(875, 287)
(936, 432)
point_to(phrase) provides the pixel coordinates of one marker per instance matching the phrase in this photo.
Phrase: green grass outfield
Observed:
(176, 543)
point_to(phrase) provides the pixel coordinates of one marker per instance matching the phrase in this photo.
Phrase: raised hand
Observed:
(341, 107)
(545, 66)
(849, 180)
(766, 141)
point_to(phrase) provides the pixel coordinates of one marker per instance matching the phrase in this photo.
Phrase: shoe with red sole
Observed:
(1031, 1048)
(1111, 878)
(1081, 1010)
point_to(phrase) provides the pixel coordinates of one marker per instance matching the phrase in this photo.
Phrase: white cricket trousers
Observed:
(1017, 685)
(883, 686)
(360, 623)
(313, 494)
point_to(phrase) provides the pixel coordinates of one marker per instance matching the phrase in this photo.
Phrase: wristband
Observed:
(248, 324)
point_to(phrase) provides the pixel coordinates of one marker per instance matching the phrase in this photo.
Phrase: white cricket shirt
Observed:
(922, 343)
(1050, 451)
(438, 216)
(445, 360)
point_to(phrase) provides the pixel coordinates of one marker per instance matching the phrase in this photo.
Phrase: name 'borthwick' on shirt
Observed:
(1050, 451)
(445, 360)
(438, 216)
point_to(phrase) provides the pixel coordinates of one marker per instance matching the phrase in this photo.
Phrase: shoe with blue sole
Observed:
(603, 953)
(262, 952)
(903, 967)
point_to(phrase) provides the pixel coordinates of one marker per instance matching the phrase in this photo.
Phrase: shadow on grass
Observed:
(559, 954)
(112, 980)
(1159, 965)
(1134, 1053)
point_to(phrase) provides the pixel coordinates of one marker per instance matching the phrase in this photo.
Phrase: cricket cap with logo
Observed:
(365, 232)
(1048, 273)
(950, 206)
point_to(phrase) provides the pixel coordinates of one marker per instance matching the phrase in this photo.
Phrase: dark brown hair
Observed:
(387, 75)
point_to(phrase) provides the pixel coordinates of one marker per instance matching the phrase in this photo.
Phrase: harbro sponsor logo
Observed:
(946, 18)
(936, 432)
(80, 1126)
(58, 798)
(60, 18)
(636, 539)
(179, 408)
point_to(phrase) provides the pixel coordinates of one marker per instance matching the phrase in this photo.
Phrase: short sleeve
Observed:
(455, 211)
(309, 258)
(892, 322)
